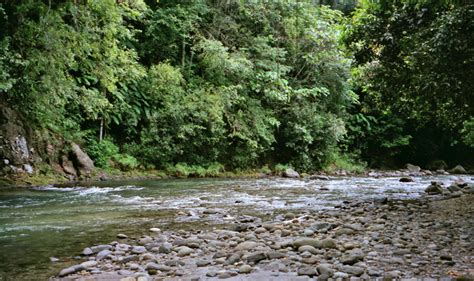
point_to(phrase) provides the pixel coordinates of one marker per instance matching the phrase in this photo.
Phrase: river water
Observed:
(42, 222)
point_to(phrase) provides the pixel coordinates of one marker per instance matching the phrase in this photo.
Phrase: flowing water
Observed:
(42, 222)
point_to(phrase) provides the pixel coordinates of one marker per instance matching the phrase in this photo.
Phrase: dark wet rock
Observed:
(307, 271)
(321, 227)
(290, 173)
(434, 188)
(454, 188)
(256, 258)
(406, 179)
(458, 170)
(319, 177)
(436, 165)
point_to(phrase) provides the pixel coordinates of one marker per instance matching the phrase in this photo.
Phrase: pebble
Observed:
(245, 269)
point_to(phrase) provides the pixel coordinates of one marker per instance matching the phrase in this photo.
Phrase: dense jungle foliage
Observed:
(242, 84)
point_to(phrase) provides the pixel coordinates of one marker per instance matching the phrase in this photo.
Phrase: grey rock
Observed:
(165, 248)
(103, 254)
(325, 269)
(87, 252)
(85, 164)
(406, 179)
(352, 270)
(319, 177)
(98, 248)
(307, 271)
(244, 269)
(307, 248)
(184, 251)
(458, 170)
(352, 257)
(70, 270)
(138, 249)
(245, 246)
(201, 263)
(256, 258)
(122, 236)
(233, 258)
(454, 188)
(160, 267)
(290, 173)
(324, 244)
(413, 168)
(434, 188)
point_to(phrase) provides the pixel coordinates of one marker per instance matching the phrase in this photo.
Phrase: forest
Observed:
(213, 85)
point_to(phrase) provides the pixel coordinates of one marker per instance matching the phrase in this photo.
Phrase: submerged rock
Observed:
(458, 170)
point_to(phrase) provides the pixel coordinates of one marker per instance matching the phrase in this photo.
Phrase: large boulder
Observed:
(84, 163)
(434, 188)
(458, 170)
(290, 173)
(436, 165)
(413, 168)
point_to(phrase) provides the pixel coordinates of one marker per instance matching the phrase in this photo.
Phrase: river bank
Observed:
(430, 237)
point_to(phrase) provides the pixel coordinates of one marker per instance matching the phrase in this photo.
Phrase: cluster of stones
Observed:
(359, 240)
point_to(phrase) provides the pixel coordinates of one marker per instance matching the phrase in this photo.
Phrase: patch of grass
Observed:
(345, 162)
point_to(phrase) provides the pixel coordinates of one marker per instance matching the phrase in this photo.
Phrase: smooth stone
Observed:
(255, 258)
(325, 269)
(245, 246)
(325, 243)
(70, 270)
(138, 249)
(122, 236)
(307, 248)
(165, 248)
(233, 258)
(87, 252)
(352, 257)
(307, 271)
(160, 267)
(201, 263)
(53, 259)
(88, 264)
(98, 248)
(103, 254)
(184, 251)
(244, 269)
(155, 229)
(211, 274)
(353, 270)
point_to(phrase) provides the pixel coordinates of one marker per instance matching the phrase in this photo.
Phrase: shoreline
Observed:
(426, 237)
(25, 180)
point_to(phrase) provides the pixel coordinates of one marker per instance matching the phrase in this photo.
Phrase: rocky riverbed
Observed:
(431, 236)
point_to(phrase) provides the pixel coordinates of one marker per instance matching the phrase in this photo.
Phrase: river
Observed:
(38, 223)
